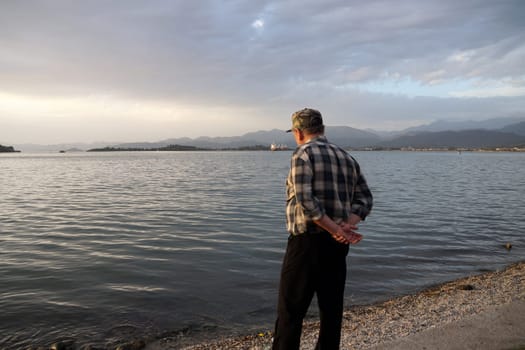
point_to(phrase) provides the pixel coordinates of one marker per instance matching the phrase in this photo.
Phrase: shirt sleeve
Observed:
(362, 201)
(302, 175)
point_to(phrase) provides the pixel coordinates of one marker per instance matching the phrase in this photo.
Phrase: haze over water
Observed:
(102, 247)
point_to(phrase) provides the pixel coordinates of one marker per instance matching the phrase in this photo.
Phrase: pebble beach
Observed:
(365, 327)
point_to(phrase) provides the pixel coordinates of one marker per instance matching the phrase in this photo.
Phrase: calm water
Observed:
(102, 247)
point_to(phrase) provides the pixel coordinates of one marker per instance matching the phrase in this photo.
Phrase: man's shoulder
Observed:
(308, 147)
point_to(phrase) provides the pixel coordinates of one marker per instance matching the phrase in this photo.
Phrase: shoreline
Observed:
(368, 326)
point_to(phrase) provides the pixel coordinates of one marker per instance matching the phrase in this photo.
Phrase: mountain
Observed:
(345, 136)
(342, 135)
(442, 133)
(77, 147)
(457, 139)
(447, 125)
(518, 128)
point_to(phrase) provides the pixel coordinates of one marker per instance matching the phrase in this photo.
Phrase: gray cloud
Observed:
(302, 52)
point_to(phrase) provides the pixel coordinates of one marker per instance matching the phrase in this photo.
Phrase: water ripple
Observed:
(95, 246)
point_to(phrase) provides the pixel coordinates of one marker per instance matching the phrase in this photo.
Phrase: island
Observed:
(178, 148)
(7, 149)
(167, 148)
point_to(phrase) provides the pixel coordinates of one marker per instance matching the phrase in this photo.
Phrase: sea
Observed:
(103, 247)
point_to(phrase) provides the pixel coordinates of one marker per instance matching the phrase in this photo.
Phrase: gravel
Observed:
(367, 326)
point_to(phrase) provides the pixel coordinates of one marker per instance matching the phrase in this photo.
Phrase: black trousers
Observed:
(313, 264)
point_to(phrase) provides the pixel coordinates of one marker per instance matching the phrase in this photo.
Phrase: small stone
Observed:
(134, 345)
(63, 345)
(90, 347)
(466, 287)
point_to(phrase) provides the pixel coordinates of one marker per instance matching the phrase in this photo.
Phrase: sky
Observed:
(149, 70)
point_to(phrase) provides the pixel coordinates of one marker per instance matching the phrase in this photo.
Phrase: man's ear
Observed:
(301, 135)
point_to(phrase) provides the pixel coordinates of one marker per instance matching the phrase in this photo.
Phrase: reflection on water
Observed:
(100, 247)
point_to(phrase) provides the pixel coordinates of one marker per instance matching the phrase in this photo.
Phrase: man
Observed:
(327, 196)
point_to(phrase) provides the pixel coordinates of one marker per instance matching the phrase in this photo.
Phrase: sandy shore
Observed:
(367, 326)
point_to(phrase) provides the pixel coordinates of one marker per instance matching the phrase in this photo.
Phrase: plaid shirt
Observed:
(324, 179)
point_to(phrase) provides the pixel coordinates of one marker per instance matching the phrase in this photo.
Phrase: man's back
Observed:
(323, 179)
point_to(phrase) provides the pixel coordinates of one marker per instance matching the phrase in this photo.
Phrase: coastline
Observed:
(365, 327)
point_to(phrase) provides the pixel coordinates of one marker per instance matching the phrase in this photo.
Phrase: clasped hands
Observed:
(346, 234)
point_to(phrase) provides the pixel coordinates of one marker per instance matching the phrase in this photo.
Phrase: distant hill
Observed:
(350, 137)
(342, 135)
(440, 132)
(69, 147)
(448, 125)
(518, 128)
(459, 139)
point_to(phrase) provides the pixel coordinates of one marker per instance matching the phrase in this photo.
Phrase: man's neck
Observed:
(309, 137)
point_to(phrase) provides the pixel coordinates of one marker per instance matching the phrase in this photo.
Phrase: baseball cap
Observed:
(306, 118)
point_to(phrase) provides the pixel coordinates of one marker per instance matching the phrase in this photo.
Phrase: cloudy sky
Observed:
(130, 70)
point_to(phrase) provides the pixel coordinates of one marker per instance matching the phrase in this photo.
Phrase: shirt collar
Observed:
(321, 138)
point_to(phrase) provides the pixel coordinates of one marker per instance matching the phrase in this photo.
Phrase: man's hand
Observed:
(346, 234)
(343, 233)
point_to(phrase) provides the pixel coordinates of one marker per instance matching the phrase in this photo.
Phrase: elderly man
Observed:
(327, 196)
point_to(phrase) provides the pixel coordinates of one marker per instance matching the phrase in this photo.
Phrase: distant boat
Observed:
(278, 147)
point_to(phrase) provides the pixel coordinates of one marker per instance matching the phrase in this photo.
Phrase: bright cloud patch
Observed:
(258, 24)
(461, 57)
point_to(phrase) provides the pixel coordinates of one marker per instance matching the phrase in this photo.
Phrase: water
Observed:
(102, 247)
